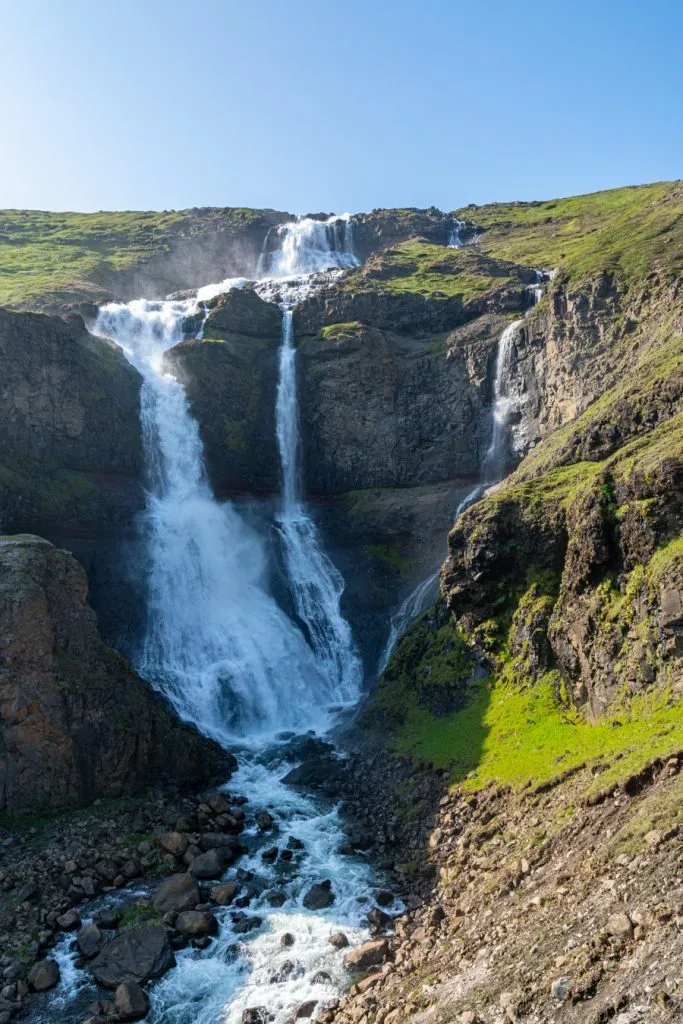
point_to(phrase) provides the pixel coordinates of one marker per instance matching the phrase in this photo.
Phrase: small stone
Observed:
(620, 925)
(44, 975)
(175, 843)
(265, 821)
(371, 954)
(69, 921)
(223, 895)
(338, 940)
(321, 978)
(561, 988)
(653, 838)
(131, 1001)
(270, 854)
(319, 896)
(287, 940)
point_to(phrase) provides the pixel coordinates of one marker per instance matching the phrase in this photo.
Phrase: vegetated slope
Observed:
(48, 260)
(542, 695)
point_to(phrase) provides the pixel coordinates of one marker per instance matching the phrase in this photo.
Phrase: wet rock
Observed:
(130, 1001)
(275, 898)
(378, 919)
(321, 978)
(287, 940)
(208, 865)
(227, 845)
(265, 821)
(295, 844)
(89, 941)
(338, 940)
(319, 896)
(44, 975)
(371, 954)
(138, 954)
(194, 923)
(243, 923)
(284, 972)
(270, 854)
(69, 921)
(223, 895)
(177, 893)
(384, 898)
(256, 1015)
(107, 918)
(305, 1009)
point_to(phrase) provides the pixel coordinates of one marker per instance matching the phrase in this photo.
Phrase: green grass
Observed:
(431, 271)
(629, 231)
(46, 256)
(522, 736)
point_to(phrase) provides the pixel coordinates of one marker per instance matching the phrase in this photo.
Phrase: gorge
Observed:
(258, 477)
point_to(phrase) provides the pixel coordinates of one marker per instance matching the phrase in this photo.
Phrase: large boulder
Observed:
(44, 975)
(242, 311)
(76, 722)
(130, 1001)
(138, 954)
(175, 894)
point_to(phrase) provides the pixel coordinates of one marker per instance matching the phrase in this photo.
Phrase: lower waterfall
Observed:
(230, 660)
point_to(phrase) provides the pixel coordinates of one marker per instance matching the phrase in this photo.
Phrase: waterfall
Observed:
(311, 246)
(216, 643)
(315, 584)
(454, 239)
(508, 399)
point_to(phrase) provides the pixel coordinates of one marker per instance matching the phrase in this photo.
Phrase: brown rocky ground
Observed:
(537, 906)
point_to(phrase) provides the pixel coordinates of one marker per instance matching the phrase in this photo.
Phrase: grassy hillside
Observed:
(65, 257)
(630, 231)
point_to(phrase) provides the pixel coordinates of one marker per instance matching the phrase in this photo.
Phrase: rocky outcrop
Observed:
(76, 722)
(383, 410)
(230, 377)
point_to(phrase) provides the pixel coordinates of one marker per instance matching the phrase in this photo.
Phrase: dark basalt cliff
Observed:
(76, 722)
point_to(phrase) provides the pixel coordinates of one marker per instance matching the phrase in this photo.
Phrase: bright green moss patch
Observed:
(629, 231)
(339, 332)
(522, 736)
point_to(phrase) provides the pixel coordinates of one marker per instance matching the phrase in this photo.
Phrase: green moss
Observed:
(627, 231)
(340, 332)
(391, 557)
(44, 490)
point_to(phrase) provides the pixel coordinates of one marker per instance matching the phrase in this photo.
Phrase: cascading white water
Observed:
(229, 659)
(216, 644)
(316, 585)
(454, 239)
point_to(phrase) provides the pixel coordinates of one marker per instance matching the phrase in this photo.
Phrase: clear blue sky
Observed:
(338, 105)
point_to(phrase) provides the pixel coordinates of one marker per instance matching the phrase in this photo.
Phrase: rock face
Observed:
(383, 410)
(231, 380)
(70, 447)
(75, 721)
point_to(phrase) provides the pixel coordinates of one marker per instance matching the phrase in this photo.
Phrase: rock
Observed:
(175, 894)
(275, 898)
(223, 895)
(208, 865)
(287, 939)
(319, 896)
(270, 854)
(96, 730)
(44, 975)
(321, 978)
(242, 923)
(89, 941)
(175, 843)
(228, 845)
(384, 898)
(69, 921)
(305, 1009)
(284, 972)
(256, 1015)
(107, 918)
(620, 925)
(295, 844)
(265, 821)
(378, 919)
(338, 940)
(561, 988)
(137, 954)
(194, 923)
(130, 1001)
(371, 954)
